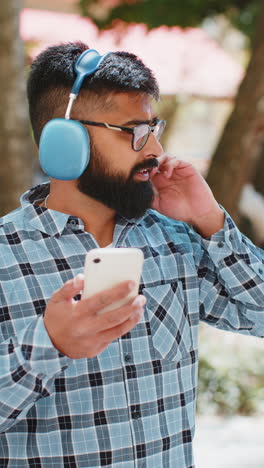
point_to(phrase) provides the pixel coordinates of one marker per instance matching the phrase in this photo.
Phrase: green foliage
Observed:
(155, 13)
(230, 382)
(245, 19)
(229, 391)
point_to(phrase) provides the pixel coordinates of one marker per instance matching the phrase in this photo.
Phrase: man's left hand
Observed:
(182, 193)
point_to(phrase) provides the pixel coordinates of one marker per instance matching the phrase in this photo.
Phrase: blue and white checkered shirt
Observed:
(134, 404)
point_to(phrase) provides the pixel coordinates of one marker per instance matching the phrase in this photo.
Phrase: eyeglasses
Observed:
(140, 132)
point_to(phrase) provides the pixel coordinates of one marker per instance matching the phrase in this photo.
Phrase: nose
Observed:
(153, 147)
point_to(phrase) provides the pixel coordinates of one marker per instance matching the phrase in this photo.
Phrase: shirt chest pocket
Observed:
(168, 321)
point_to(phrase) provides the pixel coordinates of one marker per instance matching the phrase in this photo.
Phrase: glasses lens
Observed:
(158, 129)
(140, 137)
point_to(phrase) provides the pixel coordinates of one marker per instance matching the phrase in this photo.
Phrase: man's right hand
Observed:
(74, 326)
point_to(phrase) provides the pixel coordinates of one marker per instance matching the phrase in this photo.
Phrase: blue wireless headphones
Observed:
(64, 149)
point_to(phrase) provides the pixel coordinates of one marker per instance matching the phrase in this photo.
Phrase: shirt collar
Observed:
(53, 222)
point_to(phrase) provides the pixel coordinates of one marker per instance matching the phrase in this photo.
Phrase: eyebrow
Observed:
(139, 122)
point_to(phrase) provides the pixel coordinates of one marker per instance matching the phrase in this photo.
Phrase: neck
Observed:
(98, 219)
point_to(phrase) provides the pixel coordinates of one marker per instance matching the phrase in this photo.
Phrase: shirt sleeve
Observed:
(231, 275)
(29, 364)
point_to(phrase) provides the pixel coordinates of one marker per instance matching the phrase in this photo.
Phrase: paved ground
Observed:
(229, 442)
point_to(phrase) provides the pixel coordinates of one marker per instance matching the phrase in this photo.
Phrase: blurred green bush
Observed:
(231, 376)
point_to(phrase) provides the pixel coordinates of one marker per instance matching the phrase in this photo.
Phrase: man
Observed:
(80, 389)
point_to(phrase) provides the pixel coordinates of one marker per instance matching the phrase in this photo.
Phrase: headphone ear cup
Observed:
(64, 149)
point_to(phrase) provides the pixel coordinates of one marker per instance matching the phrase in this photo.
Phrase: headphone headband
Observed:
(86, 64)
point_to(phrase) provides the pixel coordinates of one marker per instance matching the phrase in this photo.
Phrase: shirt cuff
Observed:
(225, 242)
(38, 350)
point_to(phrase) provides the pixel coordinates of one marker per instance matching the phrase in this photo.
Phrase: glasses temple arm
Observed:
(112, 127)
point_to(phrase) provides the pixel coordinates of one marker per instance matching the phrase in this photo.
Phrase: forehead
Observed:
(124, 107)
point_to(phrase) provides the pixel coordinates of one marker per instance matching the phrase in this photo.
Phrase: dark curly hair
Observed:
(52, 76)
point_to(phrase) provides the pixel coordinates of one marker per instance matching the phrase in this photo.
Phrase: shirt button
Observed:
(128, 357)
(136, 415)
(220, 244)
(73, 222)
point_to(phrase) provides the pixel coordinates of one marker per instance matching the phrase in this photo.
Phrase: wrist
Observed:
(210, 223)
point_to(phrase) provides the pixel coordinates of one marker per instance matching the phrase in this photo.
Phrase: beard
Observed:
(125, 196)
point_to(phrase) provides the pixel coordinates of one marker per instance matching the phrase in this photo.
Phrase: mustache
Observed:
(150, 164)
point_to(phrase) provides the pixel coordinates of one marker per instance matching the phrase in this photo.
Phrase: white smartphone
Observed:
(106, 267)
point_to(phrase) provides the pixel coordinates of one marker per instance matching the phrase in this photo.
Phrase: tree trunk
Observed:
(15, 141)
(235, 159)
(258, 179)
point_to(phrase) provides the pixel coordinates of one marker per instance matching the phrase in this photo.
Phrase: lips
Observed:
(145, 166)
(144, 171)
(143, 175)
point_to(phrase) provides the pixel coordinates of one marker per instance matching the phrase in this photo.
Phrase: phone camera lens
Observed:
(97, 260)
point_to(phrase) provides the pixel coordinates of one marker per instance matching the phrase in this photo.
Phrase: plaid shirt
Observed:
(134, 404)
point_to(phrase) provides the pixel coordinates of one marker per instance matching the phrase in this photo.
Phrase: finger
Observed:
(172, 165)
(118, 316)
(68, 290)
(106, 297)
(162, 160)
(153, 172)
(166, 165)
(172, 161)
(164, 156)
(120, 330)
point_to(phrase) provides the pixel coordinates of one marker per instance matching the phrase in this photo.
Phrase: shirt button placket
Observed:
(128, 358)
(135, 415)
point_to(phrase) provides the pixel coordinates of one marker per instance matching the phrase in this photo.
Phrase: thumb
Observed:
(155, 204)
(69, 289)
(156, 199)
